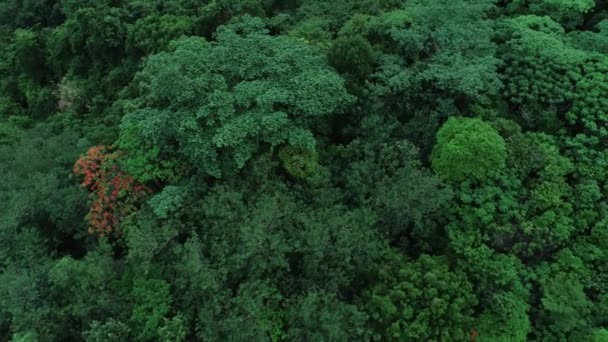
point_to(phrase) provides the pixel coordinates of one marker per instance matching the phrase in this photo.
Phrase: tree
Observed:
(506, 320)
(352, 55)
(214, 105)
(565, 308)
(101, 331)
(115, 193)
(419, 300)
(321, 316)
(468, 149)
(387, 176)
(529, 214)
(152, 34)
(152, 304)
(451, 51)
(568, 13)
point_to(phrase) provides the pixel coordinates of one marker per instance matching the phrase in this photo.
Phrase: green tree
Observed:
(506, 319)
(468, 149)
(152, 304)
(101, 331)
(152, 34)
(223, 101)
(568, 13)
(419, 299)
(352, 55)
(320, 316)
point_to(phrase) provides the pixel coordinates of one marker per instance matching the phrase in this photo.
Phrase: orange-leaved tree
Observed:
(114, 192)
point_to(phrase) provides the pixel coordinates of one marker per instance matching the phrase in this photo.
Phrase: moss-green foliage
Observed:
(300, 164)
(307, 170)
(468, 149)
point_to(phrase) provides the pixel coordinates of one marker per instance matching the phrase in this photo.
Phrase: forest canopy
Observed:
(303, 170)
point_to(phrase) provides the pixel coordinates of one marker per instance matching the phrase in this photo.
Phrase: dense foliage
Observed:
(304, 170)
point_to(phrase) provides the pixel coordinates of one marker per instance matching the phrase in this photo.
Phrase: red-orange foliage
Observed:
(114, 192)
(474, 335)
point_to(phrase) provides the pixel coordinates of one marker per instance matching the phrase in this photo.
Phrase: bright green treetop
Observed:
(468, 148)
